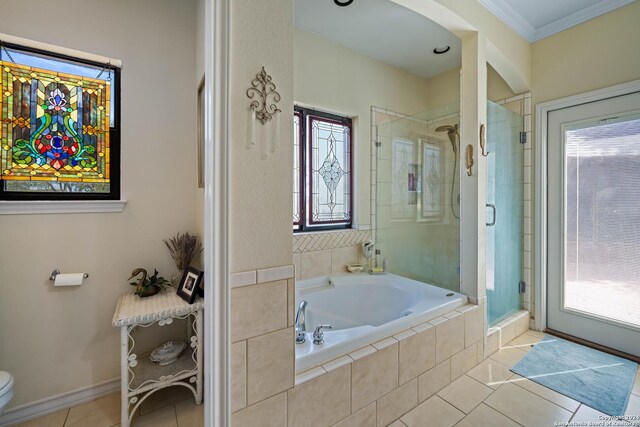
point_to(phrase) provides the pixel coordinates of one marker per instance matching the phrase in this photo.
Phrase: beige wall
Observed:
(335, 79)
(497, 88)
(260, 188)
(596, 54)
(512, 58)
(56, 340)
(445, 87)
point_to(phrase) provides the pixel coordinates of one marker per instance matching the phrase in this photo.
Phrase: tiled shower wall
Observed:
(423, 249)
(521, 104)
(321, 254)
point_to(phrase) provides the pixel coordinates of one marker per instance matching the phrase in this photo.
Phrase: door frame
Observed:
(541, 178)
(216, 134)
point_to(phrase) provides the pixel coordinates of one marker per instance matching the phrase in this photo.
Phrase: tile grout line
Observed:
(460, 409)
(66, 417)
(577, 409)
(495, 409)
(562, 407)
(175, 415)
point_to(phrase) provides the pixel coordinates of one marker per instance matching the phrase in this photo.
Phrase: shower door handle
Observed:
(493, 222)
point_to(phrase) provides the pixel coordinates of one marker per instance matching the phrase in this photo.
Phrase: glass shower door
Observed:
(504, 211)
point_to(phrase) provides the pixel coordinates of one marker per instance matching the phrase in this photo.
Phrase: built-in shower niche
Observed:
(417, 203)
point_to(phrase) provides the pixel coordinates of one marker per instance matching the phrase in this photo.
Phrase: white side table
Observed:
(140, 377)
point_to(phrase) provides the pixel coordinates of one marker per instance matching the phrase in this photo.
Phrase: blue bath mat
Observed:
(597, 379)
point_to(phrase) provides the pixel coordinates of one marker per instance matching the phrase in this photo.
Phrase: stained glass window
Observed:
(322, 171)
(56, 129)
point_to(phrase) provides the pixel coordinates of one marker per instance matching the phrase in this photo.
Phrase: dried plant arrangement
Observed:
(182, 248)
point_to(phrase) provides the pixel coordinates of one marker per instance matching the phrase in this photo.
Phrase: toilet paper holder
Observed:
(55, 272)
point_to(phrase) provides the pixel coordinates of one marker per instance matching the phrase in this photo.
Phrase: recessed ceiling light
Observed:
(343, 3)
(441, 49)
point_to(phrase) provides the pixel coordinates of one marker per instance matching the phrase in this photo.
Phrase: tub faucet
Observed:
(300, 326)
(318, 334)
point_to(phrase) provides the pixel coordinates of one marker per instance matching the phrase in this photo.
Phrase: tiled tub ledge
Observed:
(388, 378)
(471, 320)
(506, 330)
(264, 275)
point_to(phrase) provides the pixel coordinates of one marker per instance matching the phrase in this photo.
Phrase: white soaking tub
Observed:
(364, 309)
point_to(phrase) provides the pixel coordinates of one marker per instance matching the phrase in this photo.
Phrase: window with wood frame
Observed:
(322, 171)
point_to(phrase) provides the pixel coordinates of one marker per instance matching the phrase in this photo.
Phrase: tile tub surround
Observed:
(316, 241)
(394, 374)
(321, 254)
(371, 385)
(376, 384)
(365, 310)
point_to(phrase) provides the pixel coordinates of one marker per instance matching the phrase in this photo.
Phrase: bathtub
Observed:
(364, 309)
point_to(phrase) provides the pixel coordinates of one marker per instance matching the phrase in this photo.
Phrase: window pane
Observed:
(602, 222)
(55, 130)
(330, 172)
(69, 67)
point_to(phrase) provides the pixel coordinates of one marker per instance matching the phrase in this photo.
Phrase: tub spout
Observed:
(300, 323)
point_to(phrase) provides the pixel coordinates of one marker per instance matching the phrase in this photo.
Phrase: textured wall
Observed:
(57, 340)
(260, 188)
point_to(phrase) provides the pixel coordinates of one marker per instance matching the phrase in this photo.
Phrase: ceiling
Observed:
(384, 31)
(397, 36)
(535, 20)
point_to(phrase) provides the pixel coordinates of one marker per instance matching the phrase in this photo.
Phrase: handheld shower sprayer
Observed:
(453, 134)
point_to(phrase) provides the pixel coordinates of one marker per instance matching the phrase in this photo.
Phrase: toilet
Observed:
(6, 389)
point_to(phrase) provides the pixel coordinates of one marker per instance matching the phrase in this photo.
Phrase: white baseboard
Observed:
(58, 402)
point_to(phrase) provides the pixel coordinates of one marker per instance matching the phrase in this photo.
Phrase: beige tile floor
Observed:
(489, 395)
(171, 407)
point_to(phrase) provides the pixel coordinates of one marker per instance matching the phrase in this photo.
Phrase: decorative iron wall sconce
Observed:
(263, 108)
(263, 88)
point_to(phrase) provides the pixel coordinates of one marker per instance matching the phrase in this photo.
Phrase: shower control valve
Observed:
(318, 334)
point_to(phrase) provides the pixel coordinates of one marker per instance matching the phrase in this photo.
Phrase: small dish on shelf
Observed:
(167, 353)
(355, 268)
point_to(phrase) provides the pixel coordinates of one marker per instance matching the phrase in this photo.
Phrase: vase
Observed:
(149, 291)
(175, 279)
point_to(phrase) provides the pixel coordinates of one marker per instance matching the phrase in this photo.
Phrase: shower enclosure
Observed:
(417, 203)
(505, 204)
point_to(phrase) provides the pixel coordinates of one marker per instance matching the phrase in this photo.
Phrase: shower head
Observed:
(452, 132)
(447, 128)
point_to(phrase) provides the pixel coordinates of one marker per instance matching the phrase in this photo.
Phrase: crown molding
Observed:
(593, 11)
(511, 17)
(514, 20)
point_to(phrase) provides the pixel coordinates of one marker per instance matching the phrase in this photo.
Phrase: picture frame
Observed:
(200, 127)
(189, 284)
